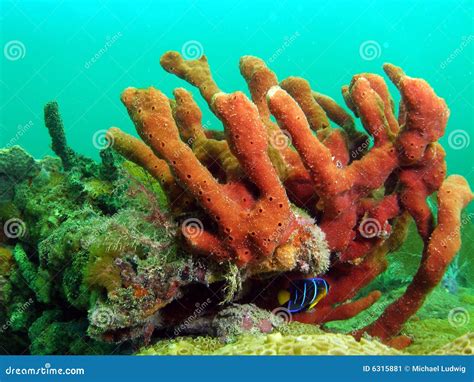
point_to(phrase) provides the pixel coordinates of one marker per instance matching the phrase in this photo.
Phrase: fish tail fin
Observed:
(283, 296)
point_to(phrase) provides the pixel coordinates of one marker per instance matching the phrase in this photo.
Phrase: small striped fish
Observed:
(303, 295)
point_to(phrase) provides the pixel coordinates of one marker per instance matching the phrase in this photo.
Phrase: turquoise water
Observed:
(325, 41)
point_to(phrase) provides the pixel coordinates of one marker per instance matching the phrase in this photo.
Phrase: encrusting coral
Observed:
(277, 344)
(290, 339)
(463, 345)
(190, 230)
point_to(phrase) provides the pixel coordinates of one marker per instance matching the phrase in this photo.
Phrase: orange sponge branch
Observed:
(360, 189)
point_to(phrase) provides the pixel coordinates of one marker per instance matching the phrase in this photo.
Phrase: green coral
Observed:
(466, 262)
(50, 335)
(17, 163)
(73, 237)
(143, 177)
(438, 304)
(425, 342)
(17, 306)
(101, 270)
(467, 298)
(6, 260)
(54, 124)
(97, 188)
(15, 166)
(38, 279)
(69, 158)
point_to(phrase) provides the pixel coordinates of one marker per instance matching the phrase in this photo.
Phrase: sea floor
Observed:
(442, 326)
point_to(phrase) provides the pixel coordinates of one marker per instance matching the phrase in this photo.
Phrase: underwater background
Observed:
(83, 54)
(325, 42)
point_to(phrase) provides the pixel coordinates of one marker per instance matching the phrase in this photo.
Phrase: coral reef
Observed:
(292, 339)
(190, 231)
(461, 346)
(361, 198)
(426, 342)
(288, 339)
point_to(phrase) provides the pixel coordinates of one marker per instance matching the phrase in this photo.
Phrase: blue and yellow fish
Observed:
(303, 295)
